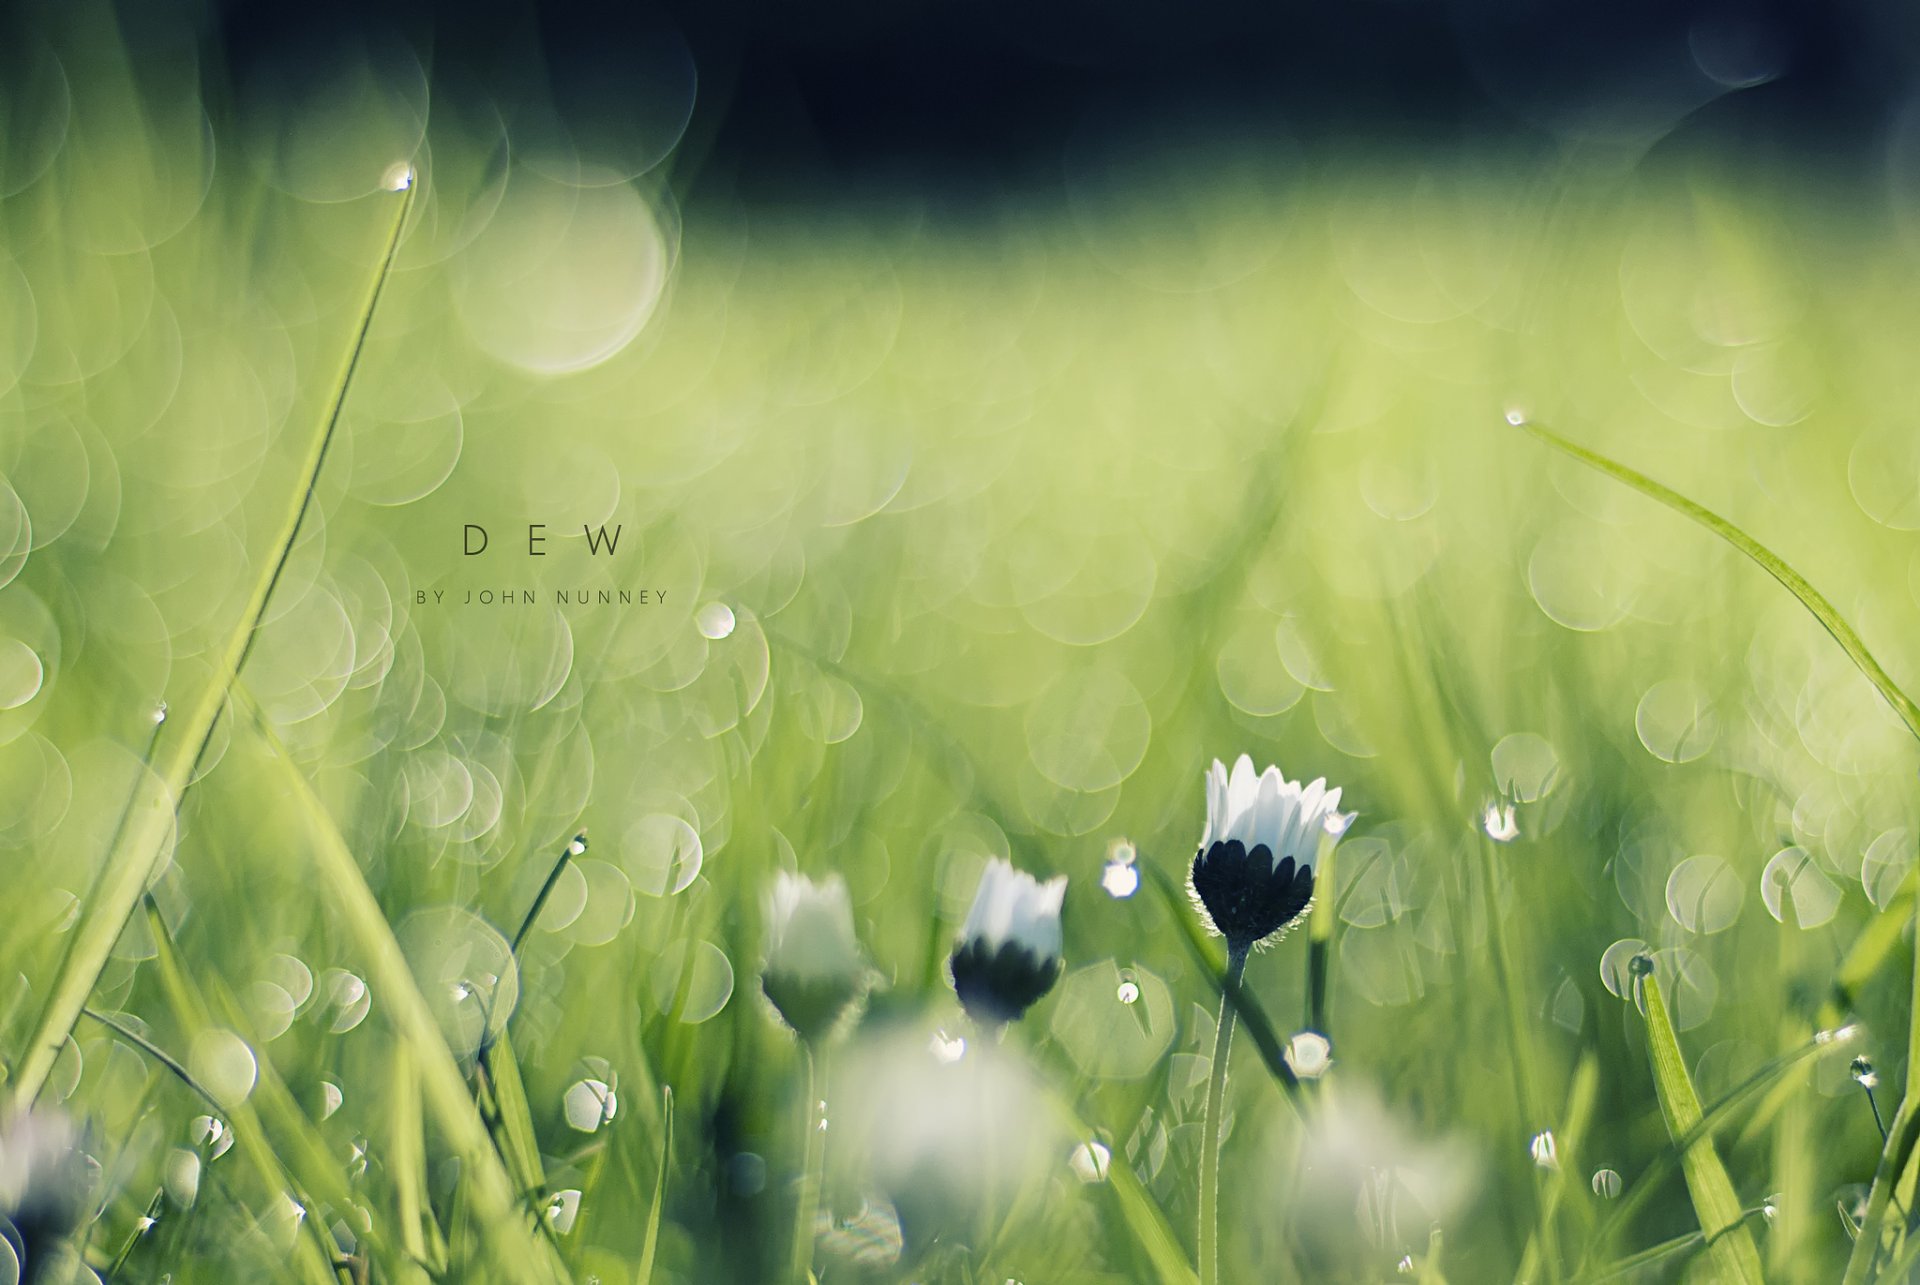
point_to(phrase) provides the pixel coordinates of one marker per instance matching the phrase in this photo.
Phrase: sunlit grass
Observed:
(963, 535)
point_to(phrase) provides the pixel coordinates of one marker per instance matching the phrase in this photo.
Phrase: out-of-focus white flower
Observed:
(814, 969)
(1360, 1162)
(1543, 1149)
(1008, 954)
(1501, 824)
(937, 1137)
(1309, 1054)
(1253, 874)
(45, 1181)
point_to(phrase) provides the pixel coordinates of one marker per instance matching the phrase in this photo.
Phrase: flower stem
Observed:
(813, 1150)
(1216, 1104)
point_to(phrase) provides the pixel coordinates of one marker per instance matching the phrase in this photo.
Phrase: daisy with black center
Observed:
(1252, 879)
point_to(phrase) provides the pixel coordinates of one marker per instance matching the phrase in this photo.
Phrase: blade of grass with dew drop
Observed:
(1736, 1260)
(1871, 946)
(130, 863)
(1903, 1136)
(313, 1254)
(643, 1274)
(487, 1188)
(298, 1145)
(1796, 584)
(1655, 1174)
(1569, 1138)
(1520, 1050)
(1138, 1210)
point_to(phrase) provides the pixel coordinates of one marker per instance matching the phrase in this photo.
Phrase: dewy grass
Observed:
(130, 865)
(1903, 1136)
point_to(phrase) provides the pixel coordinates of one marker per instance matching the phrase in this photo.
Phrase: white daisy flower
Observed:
(1009, 951)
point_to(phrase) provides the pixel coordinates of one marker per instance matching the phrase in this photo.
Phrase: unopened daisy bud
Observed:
(814, 970)
(1008, 954)
(1253, 874)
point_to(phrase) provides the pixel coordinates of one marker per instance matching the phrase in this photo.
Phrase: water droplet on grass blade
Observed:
(1606, 1184)
(1091, 1162)
(467, 973)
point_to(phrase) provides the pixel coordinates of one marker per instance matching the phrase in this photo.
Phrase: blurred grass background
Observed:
(976, 529)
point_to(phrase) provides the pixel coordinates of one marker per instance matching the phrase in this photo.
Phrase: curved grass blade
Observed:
(1735, 1258)
(130, 863)
(1796, 584)
(313, 1247)
(1139, 1212)
(486, 1187)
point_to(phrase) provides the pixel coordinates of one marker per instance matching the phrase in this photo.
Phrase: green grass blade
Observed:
(1810, 598)
(486, 1186)
(130, 864)
(313, 1250)
(513, 1116)
(644, 1272)
(1735, 1258)
(1140, 1213)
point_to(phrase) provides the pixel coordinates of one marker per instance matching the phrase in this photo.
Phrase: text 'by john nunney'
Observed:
(601, 542)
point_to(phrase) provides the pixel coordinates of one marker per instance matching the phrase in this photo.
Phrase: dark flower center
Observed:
(999, 983)
(1248, 895)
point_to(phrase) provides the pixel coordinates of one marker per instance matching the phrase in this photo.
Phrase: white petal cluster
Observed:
(810, 933)
(1266, 808)
(1014, 907)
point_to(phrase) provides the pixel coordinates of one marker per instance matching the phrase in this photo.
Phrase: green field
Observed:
(952, 529)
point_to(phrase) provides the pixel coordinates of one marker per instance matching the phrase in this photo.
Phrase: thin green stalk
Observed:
(1519, 1047)
(643, 1274)
(813, 1151)
(1209, 1235)
(132, 862)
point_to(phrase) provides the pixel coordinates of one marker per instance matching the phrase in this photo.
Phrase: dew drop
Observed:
(1121, 877)
(1309, 1054)
(946, 1048)
(1606, 1183)
(1129, 991)
(715, 620)
(398, 177)
(578, 848)
(1516, 416)
(1090, 1162)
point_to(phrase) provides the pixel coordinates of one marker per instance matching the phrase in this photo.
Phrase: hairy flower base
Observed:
(812, 1006)
(997, 984)
(1247, 895)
